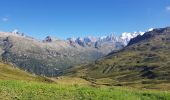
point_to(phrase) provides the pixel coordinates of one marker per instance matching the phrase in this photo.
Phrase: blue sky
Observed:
(74, 18)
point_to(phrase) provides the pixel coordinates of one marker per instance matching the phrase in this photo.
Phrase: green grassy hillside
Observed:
(9, 72)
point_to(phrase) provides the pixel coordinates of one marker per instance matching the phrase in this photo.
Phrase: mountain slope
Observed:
(43, 58)
(145, 59)
(9, 72)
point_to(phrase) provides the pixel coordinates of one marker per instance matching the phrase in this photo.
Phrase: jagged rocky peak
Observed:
(80, 41)
(90, 39)
(126, 36)
(71, 40)
(110, 37)
(50, 39)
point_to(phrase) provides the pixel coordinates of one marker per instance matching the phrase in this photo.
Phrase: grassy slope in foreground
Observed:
(20, 90)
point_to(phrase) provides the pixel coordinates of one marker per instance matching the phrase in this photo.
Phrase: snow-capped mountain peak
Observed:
(126, 36)
(151, 29)
(110, 39)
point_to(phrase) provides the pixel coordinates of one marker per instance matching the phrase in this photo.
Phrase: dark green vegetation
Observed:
(145, 63)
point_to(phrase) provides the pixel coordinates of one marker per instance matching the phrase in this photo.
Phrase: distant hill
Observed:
(146, 59)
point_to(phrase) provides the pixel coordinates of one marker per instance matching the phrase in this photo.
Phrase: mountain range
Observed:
(49, 57)
(96, 41)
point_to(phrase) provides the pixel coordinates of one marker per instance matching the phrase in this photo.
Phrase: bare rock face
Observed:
(51, 39)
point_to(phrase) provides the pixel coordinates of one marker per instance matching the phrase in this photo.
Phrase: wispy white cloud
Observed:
(5, 19)
(168, 8)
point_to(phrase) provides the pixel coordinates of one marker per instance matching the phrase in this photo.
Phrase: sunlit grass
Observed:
(21, 90)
